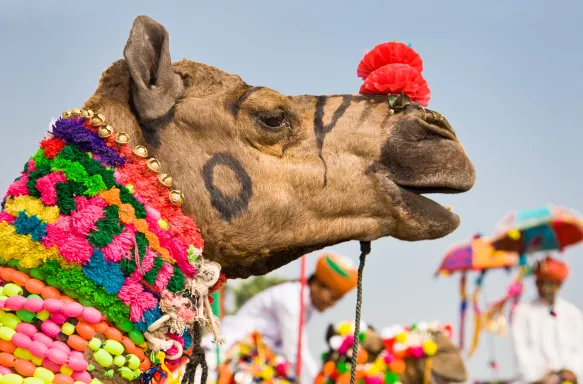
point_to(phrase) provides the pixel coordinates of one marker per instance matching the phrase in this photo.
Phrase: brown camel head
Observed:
(447, 366)
(269, 177)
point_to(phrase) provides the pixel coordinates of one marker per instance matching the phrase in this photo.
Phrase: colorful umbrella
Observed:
(545, 228)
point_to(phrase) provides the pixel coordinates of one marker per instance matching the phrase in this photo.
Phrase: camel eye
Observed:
(273, 120)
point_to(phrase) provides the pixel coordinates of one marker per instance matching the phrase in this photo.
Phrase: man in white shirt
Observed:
(275, 314)
(547, 333)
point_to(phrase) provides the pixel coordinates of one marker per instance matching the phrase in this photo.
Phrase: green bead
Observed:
(113, 347)
(120, 361)
(136, 336)
(133, 361)
(125, 326)
(103, 358)
(34, 296)
(12, 290)
(23, 354)
(6, 333)
(94, 344)
(22, 269)
(43, 315)
(26, 315)
(137, 373)
(85, 303)
(37, 274)
(68, 329)
(70, 293)
(14, 263)
(126, 373)
(10, 320)
(52, 281)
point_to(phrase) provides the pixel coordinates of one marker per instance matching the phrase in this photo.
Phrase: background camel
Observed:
(269, 177)
(447, 366)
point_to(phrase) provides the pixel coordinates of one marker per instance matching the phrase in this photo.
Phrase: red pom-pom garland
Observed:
(394, 68)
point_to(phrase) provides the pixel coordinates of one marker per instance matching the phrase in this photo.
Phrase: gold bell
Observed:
(98, 120)
(66, 114)
(87, 113)
(105, 131)
(76, 112)
(122, 138)
(153, 165)
(165, 180)
(176, 197)
(140, 151)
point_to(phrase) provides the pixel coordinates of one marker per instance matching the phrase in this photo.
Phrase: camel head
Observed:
(270, 177)
(447, 365)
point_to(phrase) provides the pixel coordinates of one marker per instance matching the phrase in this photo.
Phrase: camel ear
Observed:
(448, 361)
(155, 87)
(331, 331)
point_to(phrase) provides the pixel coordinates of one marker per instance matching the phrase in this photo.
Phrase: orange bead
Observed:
(85, 330)
(361, 356)
(100, 327)
(329, 368)
(20, 278)
(145, 365)
(25, 368)
(6, 274)
(34, 286)
(63, 379)
(127, 343)
(7, 346)
(397, 366)
(66, 299)
(7, 360)
(113, 333)
(139, 353)
(77, 342)
(50, 293)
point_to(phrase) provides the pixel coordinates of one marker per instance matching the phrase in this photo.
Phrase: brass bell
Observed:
(140, 151)
(105, 131)
(76, 112)
(153, 165)
(122, 138)
(176, 197)
(165, 180)
(66, 114)
(87, 113)
(98, 120)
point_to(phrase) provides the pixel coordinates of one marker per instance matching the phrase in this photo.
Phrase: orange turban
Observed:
(336, 274)
(551, 269)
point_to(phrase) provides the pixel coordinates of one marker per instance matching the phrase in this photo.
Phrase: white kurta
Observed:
(275, 313)
(544, 343)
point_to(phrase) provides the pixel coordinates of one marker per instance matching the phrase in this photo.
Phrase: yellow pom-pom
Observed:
(429, 347)
(344, 329)
(514, 234)
(267, 373)
(401, 337)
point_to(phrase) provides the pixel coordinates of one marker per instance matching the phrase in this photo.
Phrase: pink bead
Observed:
(21, 340)
(34, 304)
(153, 213)
(57, 356)
(77, 364)
(5, 371)
(2, 304)
(50, 328)
(73, 309)
(82, 376)
(52, 305)
(38, 349)
(59, 318)
(76, 355)
(26, 329)
(48, 364)
(62, 346)
(41, 337)
(16, 303)
(91, 315)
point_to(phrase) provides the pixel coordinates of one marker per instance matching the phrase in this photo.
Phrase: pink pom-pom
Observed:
(34, 304)
(57, 356)
(77, 364)
(21, 340)
(59, 318)
(48, 364)
(91, 315)
(388, 358)
(16, 303)
(53, 305)
(26, 329)
(72, 309)
(417, 352)
(38, 349)
(82, 376)
(41, 337)
(50, 328)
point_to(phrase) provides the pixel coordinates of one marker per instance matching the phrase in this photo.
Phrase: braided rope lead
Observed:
(364, 250)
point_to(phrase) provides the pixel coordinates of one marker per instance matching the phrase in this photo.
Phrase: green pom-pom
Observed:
(362, 337)
(342, 367)
(391, 377)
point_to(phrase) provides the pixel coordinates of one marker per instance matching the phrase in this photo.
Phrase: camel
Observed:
(446, 366)
(268, 177)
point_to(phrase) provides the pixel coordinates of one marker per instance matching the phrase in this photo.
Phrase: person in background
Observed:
(274, 314)
(547, 333)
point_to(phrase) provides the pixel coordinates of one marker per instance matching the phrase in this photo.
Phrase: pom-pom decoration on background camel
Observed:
(391, 69)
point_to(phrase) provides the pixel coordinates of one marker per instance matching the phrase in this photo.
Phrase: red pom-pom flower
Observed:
(393, 68)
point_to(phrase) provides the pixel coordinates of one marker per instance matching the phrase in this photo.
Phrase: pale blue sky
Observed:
(507, 74)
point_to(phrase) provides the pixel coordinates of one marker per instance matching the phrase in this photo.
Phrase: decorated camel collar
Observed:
(97, 253)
